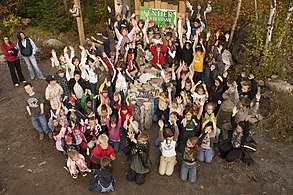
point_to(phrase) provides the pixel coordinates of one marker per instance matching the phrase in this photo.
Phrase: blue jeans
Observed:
(32, 62)
(188, 172)
(40, 123)
(115, 145)
(206, 155)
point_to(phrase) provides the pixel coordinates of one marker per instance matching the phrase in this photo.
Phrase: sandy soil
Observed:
(29, 166)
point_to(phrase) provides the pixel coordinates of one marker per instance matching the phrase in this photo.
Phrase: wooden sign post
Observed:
(79, 23)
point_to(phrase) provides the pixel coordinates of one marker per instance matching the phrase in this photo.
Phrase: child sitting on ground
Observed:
(188, 167)
(206, 153)
(168, 146)
(76, 160)
(103, 178)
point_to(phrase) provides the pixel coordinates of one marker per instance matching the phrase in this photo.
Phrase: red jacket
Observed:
(158, 59)
(9, 57)
(123, 116)
(99, 153)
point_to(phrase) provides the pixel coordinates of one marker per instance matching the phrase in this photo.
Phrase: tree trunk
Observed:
(289, 14)
(271, 23)
(235, 23)
(231, 7)
(118, 6)
(65, 5)
(256, 21)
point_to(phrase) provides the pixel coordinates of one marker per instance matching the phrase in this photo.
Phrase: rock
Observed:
(152, 71)
(261, 83)
(53, 43)
(2, 58)
(279, 86)
(227, 106)
(42, 163)
(29, 170)
(144, 78)
(274, 76)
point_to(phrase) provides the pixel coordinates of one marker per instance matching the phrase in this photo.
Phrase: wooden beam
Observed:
(80, 23)
(137, 9)
(158, 4)
(146, 4)
(164, 5)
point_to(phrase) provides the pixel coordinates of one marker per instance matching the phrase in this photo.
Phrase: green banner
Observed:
(160, 16)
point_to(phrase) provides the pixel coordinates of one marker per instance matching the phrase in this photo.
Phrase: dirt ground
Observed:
(29, 166)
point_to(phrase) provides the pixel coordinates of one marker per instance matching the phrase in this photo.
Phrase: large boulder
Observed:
(279, 86)
(54, 43)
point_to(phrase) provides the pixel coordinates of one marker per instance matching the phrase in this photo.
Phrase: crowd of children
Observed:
(90, 110)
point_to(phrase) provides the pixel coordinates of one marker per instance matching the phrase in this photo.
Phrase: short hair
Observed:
(103, 138)
(175, 114)
(88, 111)
(27, 84)
(77, 127)
(143, 135)
(104, 107)
(245, 82)
(105, 34)
(72, 153)
(245, 102)
(210, 104)
(105, 163)
(77, 72)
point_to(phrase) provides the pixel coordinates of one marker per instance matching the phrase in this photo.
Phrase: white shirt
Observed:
(168, 148)
(78, 90)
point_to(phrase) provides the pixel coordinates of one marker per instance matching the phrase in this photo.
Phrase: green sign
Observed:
(160, 16)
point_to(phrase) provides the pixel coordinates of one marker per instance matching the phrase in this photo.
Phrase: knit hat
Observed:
(72, 99)
(50, 78)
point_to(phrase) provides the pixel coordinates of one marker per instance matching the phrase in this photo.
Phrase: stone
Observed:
(261, 83)
(152, 71)
(53, 43)
(274, 76)
(2, 58)
(144, 78)
(279, 86)
(227, 106)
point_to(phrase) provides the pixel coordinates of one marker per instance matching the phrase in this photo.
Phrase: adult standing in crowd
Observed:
(28, 49)
(11, 55)
(35, 109)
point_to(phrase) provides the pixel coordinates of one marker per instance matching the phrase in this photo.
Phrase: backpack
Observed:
(28, 50)
(250, 145)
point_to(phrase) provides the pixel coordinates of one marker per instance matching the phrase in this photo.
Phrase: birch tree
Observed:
(271, 23)
(289, 14)
(235, 23)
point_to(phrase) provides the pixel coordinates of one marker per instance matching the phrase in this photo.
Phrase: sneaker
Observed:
(41, 137)
(74, 176)
(16, 85)
(84, 174)
(44, 78)
(33, 78)
(23, 81)
(66, 168)
(50, 135)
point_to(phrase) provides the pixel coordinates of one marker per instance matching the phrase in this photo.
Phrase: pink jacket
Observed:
(114, 133)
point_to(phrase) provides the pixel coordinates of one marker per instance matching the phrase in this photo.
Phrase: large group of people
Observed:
(90, 110)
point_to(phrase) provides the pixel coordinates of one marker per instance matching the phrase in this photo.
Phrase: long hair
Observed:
(18, 35)
(9, 42)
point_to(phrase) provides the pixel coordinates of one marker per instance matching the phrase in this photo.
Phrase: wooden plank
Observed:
(182, 7)
(158, 4)
(164, 5)
(146, 4)
(152, 4)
